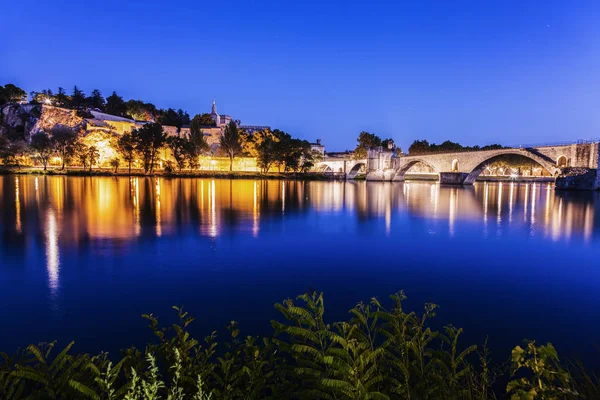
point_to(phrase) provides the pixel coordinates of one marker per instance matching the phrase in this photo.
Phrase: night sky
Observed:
(474, 72)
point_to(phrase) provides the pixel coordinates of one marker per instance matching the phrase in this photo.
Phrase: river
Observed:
(82, 258)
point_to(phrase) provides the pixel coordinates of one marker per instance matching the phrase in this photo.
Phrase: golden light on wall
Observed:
(103, 141)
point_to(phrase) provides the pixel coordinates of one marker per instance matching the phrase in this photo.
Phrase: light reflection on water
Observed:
(123, 240)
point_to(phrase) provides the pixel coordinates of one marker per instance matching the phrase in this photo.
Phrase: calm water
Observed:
(83, 258)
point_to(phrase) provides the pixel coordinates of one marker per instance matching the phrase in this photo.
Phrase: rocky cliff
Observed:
(24, 120)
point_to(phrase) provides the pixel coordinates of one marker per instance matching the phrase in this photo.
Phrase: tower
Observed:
(214, 114)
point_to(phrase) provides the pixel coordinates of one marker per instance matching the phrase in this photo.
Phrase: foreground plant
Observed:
(379, 353)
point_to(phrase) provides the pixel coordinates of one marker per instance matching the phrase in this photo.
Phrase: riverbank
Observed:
(309, 176)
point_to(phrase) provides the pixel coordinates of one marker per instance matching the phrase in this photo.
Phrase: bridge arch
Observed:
(455, 165)
(400, 172)
(477, 170)
(562, 161)
(356, 169)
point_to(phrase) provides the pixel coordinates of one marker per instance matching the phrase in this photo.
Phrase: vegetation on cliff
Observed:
(381, 352)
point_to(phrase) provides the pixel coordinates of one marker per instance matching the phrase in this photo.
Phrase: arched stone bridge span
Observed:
(464, 167)
(349, 167)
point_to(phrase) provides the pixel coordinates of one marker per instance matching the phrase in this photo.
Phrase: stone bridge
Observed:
(574, 165)
(350, 168)
(464, 167)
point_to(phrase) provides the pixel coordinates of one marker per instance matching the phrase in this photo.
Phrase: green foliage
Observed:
(368, 140)
(424, 147)
(10, 93)
(231, 143)
(141, 111)
(179, 147)
(115, 105)
(43, 147)
(77, 98)
(127, 148)
(379, 353)
(538, 374)
(149, 138)
(64, 139)
(96, 100)
(200, 120)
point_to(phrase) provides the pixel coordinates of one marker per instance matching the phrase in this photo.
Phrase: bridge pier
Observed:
(578, 179)
(454, 178)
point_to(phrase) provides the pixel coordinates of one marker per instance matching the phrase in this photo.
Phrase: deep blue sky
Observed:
(474, 72)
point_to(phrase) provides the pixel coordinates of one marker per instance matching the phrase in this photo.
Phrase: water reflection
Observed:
(85, 209)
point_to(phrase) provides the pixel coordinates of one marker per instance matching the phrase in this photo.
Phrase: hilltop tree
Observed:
(64, 139)
(184, 117)
(43, 147)
(150, 139)
(203, 120)
(141, 111)
(61, 99)
(96, 100)
(44, 97)
(77, 98)
(230, 143)
(10, 93)
(115, 105)
(126, 146)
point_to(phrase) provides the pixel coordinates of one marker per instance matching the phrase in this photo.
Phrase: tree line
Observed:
(424, 147)
(113, 104)
(270, 148)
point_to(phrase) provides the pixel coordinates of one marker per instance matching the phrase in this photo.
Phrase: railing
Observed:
(551, 144)
(518, 146)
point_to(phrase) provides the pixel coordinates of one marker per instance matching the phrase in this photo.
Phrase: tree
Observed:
(96, 100)
(197, 136)
(419, 147)
(115, 162)
(13, 151)
(170, 117)
(61, 99)
(191, 154)
(184, 117)
(263, 147)
(82, 152)
(115, 105)
(93, 156)
(43, 147)
(141, 111)
(4, 148)
(10, 93)
(178, 146)
(44, 97)
(365, 141)
(150, 138)
(77, 98)
(126, 146)
(230, 143)
(203, 120)
(64, 138)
